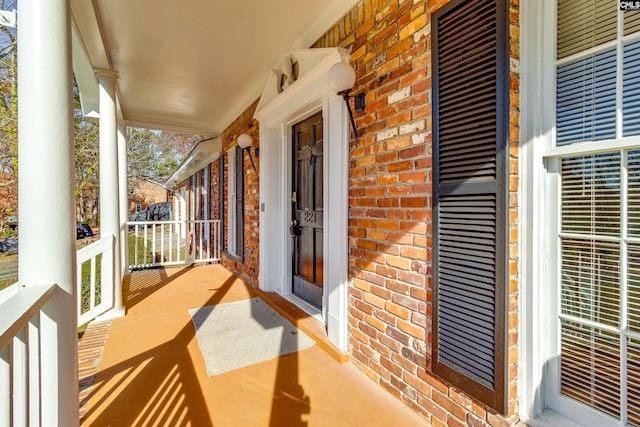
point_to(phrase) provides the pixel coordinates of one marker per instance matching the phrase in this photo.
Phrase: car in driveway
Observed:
(9, 244)
(83, 230)
(162, 211)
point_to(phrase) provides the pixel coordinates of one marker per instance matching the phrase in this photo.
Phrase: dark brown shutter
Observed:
(239, 203)
(221, 198)
(470, 174)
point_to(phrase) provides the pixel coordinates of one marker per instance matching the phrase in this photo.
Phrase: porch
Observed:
(152, 370)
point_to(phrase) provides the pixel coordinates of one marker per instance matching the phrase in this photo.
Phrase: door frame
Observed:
(277, 113)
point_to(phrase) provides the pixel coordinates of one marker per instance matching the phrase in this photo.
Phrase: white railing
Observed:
(94, 265)
(8, 292)
(25, 355)
(166, 243)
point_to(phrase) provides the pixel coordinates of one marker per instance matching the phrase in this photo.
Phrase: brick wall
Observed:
(248, 268)
(390, 209)
(146, 193)
(514, 201)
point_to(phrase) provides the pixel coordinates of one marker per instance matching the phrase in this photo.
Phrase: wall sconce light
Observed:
(244, 141)
(341, 79)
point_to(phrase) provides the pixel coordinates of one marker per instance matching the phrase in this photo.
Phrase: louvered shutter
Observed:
(239, 203)
(470, 129)
(221, 198)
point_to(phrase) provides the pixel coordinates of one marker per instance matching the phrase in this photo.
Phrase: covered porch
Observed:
(151, 370)
(195, 78)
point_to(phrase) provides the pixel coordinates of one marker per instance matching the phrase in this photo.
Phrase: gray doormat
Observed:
(241, 333)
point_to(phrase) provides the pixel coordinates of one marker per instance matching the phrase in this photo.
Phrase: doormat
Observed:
(238, 334)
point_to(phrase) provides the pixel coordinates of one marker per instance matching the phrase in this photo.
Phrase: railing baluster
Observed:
(23, 338)
(171, 230)
(162, 237)
(20, 372)
(145, 244)
(179, 242)
(154, 255)
(33, 332)
(98, 287)
(5, 386)
(92, 288)
(135, 244)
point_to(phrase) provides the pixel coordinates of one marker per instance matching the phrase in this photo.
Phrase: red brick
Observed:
(413, 202)
(452, 407)
(412, 177)
(400, 166)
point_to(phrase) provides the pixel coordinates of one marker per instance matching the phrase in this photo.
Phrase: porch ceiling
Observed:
(195, 66)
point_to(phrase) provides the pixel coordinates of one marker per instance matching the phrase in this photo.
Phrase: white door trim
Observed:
(277, 113)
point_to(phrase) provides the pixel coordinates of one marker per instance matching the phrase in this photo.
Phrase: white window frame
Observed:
(540, 400)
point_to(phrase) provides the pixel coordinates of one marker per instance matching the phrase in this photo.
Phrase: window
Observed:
(470, 120)
(138, 208)
(596, 204)
(235, 202)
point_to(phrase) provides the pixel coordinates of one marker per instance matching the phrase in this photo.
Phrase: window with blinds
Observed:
(598, 102)
(470, 119)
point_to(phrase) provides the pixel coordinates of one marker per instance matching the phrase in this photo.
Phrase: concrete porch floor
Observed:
(152, 372)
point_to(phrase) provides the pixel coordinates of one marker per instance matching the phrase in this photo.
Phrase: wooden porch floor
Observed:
(151, 371)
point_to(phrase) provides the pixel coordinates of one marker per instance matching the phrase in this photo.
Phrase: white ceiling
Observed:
(191, 66)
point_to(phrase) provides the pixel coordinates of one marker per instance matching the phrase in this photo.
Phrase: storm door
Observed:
(306, 209)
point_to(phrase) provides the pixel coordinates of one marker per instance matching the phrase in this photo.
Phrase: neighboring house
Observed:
(476, 249)
(146, 192)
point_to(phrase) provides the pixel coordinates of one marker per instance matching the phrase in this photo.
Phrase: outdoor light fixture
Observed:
(341, 79)
(244, 142)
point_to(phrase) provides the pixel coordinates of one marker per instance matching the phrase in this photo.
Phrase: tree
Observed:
(151, 154)
(156, 155)
(8, 118)
(87, 159)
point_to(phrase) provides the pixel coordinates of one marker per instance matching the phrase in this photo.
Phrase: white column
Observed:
(109, 200)
(46, 195)
(123, 193)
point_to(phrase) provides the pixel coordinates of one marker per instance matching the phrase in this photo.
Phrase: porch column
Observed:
(109, 200)
(123, 193)
(46, 195)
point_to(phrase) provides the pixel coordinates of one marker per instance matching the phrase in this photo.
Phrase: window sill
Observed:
(550, 418)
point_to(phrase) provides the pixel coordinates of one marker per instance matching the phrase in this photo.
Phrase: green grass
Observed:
(7, 282)
(86, 277)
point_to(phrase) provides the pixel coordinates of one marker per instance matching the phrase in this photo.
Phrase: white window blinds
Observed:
(595, 89)
(598, 99)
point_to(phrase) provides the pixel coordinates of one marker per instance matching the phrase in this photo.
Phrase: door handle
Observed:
(294, 228)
